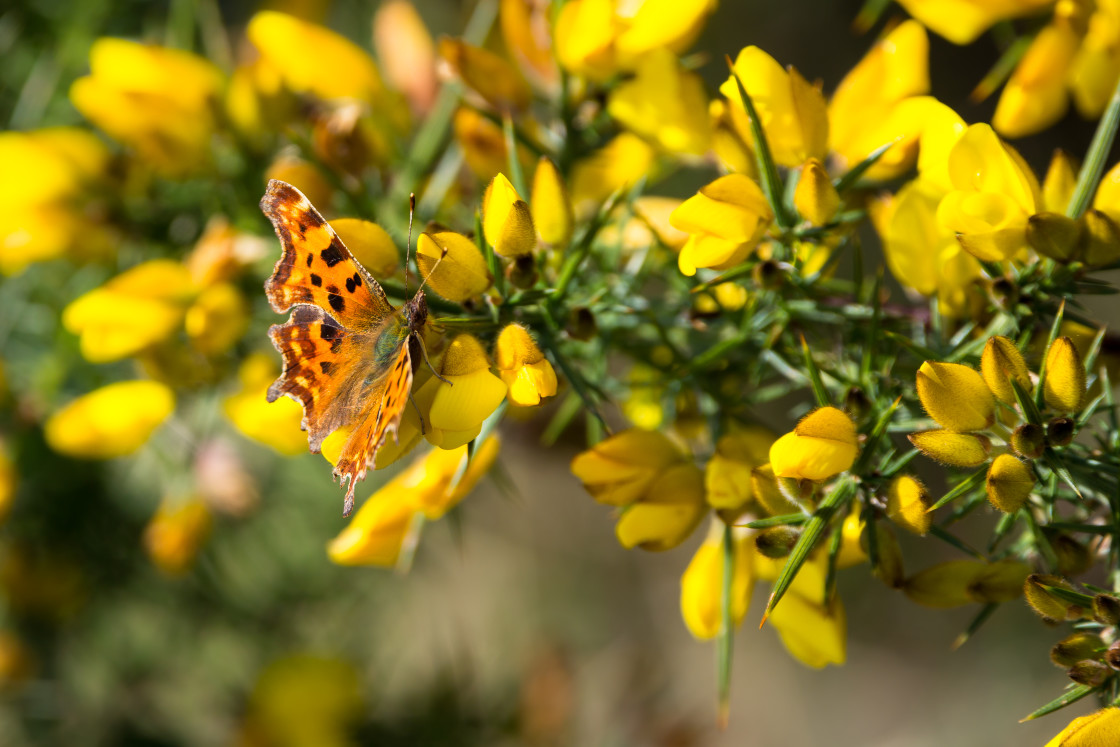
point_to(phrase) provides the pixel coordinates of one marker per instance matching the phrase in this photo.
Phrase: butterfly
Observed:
(349, 356)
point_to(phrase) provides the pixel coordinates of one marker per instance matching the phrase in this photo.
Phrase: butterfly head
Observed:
(415, 311)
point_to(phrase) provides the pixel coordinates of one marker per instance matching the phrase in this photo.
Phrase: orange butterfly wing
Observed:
(328, 345)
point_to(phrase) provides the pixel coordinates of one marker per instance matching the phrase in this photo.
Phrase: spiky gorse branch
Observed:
(569, 289)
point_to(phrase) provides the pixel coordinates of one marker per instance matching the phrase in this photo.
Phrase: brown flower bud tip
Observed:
(581, 324)
(768, 275)
(522, 272)
(1029, 441)
(1106, 609)
(1060, 431)
(1090, 673)
(1048, 607)
(777, 542)
(1112, 655)
(1004, 292)
(856, 403)
(1074, 558)
(1075, 648)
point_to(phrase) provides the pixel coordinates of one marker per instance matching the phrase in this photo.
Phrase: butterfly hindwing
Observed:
(381, 417)
(316, 268)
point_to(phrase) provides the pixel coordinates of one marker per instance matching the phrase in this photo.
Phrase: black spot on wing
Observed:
(337, 302)
(326, 366)
(316, 280)
(310, 258)
(332, 255)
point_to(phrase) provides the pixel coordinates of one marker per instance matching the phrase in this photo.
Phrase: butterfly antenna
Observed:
(425, 280)
(408, 246)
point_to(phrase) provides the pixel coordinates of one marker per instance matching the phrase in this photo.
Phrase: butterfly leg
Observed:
(424, 350)
(423, 426)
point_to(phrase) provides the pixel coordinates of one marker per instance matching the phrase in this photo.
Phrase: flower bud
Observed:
(765, 489)
(109, 422)
(777, 542)
(1060, 431)
(1112, 655)
(581, 324)
(1047, 606)
(370, 244)
(856, 403)
(889, 568)
(1089, 673)
(1001, 360)
(906, 504)
(487, 74)
(1028, 441)
(945, 584)
(1106, 609)
(522, 271)
(1059, 183)
(523, 367)
(1074, 558)
(1009, 483)
(1065, 376)
(814, 197)
(1100, 239)
(1055, 235)
(506, 220)
(551, 205)
(999, 582)
(956, 449)
(1077, 647)
(823, 444)
(955, 396)
(768, 275)
(452, 265)
(344, 138)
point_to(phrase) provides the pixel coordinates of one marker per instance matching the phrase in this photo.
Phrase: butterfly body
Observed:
(349, 356)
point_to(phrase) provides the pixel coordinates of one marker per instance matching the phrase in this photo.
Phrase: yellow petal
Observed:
(470, 400)
(962, 21)
(815, 198)
(551, 205)
(1000, 361)
(506, 220)
(945, 584)
(489, 75)
(1098, 729)
(1059, 183)
(814, 634)
(957, 449)
(702, 587)
(1035, 96)
(370, 244)
(620, 469)
(1065, 376)
(1009, 483)
(109, 422)
(671, 510)
(458, 275)
(906, 504)
(955, 396)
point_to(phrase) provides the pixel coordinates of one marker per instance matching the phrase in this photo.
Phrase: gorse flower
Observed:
(522, 366)
(112, 421)
(823, 444)
(725, 221)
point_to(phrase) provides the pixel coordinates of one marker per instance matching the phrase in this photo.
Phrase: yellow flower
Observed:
(370, 244)
(585, 34)
(452, 265)
(458, 409)
(664, 104)
(222, 252)
(994, 194)
(376, 533)
(823, 444)
(661, 24)
(1059, 183)
(314, 60)
(487, 74)
(506, 220)
(1065, 376)
(53, 173)
(725, 221)
(924, 256)
(955, 396)
(962, 21)
(959, 582)
(550, 205)
(1035, 95)
(727, 477)
(617, 165)
(907, 501)
(881, 101)
(702, 585)
(1009, 483)
(1095, 730)
(407, 53)
(668, 512)
(1096, 66)
(622, 469)
(159, 101)
(176, 533)
(527, 33)
(136, 309)
(813, 630)
(815, 198)
(305, 177)
(957, 449)
(217, 319)
(731, 138)
(1001, 361)
(109, 422)
(791, 110)
(483, 144)
(276, 424)
(523, 367)
(304, 699)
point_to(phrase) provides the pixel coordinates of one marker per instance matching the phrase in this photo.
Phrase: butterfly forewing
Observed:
(316, 268)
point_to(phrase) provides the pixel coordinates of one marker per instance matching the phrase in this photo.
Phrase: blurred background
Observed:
(522, 621)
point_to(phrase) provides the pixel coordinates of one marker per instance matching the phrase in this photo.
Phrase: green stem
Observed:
(726, 640)
(1090, 174)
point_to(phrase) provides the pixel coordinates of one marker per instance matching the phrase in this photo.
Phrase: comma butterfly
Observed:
(348, 354)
